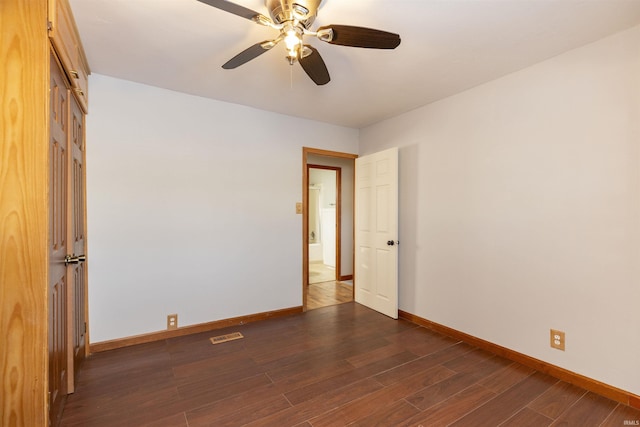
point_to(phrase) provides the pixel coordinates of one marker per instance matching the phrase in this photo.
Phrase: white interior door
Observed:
(376, 237)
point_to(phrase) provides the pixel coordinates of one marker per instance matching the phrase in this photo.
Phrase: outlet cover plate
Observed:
(556, 339)
(172, 321)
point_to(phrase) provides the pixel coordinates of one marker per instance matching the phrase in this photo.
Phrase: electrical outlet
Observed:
(557, 339)
(172, 321)
(298, 208)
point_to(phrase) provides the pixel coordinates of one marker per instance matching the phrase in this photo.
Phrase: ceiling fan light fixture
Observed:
(293, 41)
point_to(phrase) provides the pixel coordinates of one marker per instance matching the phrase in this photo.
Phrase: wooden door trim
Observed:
(306, 151)
(24, 212)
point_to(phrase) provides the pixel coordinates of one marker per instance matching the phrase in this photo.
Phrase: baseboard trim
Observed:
(587, 383)
(189, 330)
(346, 277)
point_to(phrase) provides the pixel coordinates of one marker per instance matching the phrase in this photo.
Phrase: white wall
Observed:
(191, 207)
(520, 209)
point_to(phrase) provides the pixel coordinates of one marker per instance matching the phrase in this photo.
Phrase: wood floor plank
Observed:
(363, 407)
(453, 409)
(117, 404)
(307, 379)
(469, 361)
(506, 378)
(177, 420)
(422, 342)
(304, 348)
(128, 373)
(420, 364)
(320, 404)
(276, 355)
(237, 402)
(328, 293)
(129, 409)
(374, 355)
(590, 410)
(331, 366)
(441, 391)
(509, 402)
(557, 399)
(319, 272)
(309, 366)
(311, 391)
(246, 415)
(490, 367)
(193, 348)
(333, 352)
(623, 415)
(391, 415)
(215, 371)
(527, 418)
(110, 394)
(203, 392)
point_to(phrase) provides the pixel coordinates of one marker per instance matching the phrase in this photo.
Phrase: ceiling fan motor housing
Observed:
(303, 11)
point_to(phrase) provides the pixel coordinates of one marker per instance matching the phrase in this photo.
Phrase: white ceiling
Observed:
(447, 46)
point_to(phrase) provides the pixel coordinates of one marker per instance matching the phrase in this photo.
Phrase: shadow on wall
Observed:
(408, 197)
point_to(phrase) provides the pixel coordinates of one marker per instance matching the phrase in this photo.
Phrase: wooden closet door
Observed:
(58, 245)
(77, 271)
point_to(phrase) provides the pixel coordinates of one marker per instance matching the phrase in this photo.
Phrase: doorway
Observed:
(328, 185)
(324, 223)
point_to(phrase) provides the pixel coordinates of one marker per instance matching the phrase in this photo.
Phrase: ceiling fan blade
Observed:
(241, 11)
(347, 35)
(249, 54)
(314, 66)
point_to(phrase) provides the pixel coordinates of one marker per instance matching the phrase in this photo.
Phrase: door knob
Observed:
(391, 243)
(73, 259)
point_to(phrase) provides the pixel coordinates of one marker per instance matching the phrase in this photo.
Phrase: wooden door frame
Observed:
(306, 151)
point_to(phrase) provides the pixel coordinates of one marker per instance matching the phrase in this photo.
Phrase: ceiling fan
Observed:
(292, 18)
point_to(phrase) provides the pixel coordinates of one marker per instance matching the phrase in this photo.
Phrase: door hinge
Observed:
(85, 327)
(49, 25)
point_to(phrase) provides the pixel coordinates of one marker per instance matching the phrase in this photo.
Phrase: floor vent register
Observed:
(226, 338)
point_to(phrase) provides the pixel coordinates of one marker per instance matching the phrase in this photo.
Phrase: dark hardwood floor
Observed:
(334, 366)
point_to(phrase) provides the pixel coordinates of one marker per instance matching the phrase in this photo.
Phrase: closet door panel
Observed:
(77, 273)
(58, 243)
